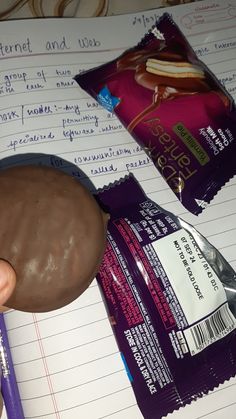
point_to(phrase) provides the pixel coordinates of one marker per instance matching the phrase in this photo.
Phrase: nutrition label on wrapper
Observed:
(198, 289)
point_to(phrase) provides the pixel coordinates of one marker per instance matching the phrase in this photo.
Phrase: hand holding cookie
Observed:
(54, 241)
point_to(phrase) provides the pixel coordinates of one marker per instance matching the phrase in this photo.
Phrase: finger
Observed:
(7, 281)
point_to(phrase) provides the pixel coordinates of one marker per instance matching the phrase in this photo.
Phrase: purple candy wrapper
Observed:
(170, 296)
(175, 108)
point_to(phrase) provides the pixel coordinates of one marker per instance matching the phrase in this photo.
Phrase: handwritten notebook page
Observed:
(67, 361)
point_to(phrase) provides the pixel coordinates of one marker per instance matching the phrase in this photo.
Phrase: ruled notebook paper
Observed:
(67, 361)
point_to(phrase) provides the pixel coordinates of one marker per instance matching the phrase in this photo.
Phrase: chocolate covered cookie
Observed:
(131, 59)
(168, 80)
(52, 232)
(182, 77)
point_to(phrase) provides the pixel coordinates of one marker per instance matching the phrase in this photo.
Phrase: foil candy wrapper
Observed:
(170, 297)
(218, 263)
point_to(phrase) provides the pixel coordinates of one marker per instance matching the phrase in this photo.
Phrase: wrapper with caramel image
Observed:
(175, 108)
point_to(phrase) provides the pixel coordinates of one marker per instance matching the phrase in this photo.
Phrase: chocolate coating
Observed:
(52, 232)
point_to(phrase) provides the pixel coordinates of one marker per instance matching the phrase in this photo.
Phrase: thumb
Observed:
(7, 281)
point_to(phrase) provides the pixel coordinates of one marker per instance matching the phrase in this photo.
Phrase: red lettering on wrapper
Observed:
(147, 273)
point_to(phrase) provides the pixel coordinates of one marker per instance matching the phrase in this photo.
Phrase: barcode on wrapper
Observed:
(211, 329)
